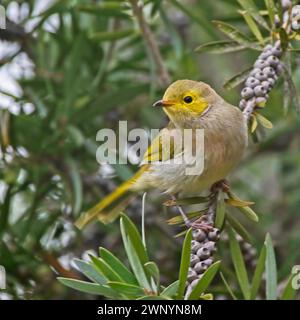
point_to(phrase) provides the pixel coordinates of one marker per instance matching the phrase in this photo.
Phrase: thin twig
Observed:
(151, 43)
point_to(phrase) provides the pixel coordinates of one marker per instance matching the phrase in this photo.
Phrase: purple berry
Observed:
(252, 82)
(247, 93)
(272, 61)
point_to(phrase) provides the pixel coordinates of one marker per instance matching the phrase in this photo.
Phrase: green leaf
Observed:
(271, 270)
(239, 264)
(220, 212)
(152, 269)
(171, 290)
(237, 79)
(289, 292)
(111, 35)
(284, 39)
(129, 290)
(135, 238)
(253, 26)
(205, 281)
(87, 287)
(233, 33)
(178, 219)
(76, 187)
(249, 213)
(134, 260)
(72, 76)
(109, 273)
(222, 46)
(250, 6)
(228, 286)
(259, 270)
(90, 272)
(184, 264)
(264, 121)
(117, 266)
(271, 9)
(108, 8)
(291, 88)
(154, 298)
(238, 227)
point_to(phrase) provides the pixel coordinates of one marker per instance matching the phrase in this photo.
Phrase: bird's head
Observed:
(186, 99)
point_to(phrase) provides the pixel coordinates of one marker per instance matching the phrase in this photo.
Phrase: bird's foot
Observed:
(183, 214)
(203, 224)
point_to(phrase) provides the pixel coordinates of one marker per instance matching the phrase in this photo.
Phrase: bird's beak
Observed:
(163, 103)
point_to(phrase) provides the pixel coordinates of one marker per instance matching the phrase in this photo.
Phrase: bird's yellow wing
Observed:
(163, 147)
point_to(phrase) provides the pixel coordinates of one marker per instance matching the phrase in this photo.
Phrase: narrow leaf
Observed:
(87, 287)
(271, 10)
(237, 79)
(264, 121)
(109, 273)
(205, 281)
(117, 266)
(184, 263)
(250, 6)
(289, 292)
(233, 33)
(190, 215)
(171, 290)
(259, 270)
(238, 227)
(135, 238)
(133, 258)
(253, 26)
(111, 35)
(271, 270)
(239, 264)
(89, 271)
(152, 269)
(228, 286)
(126, 289)
(223, 46)
(249, 213)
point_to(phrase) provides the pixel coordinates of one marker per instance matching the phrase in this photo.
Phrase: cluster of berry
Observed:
(203, 246)
(263, 76)
(291, 16)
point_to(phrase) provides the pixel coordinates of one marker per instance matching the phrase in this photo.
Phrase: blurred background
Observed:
(69, 68)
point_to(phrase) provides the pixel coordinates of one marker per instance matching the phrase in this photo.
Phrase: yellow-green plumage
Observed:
(225, 139)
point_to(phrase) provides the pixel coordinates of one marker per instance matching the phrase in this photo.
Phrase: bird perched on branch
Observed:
(189, 105)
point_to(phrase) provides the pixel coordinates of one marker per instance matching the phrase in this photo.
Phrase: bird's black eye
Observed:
(188, 99)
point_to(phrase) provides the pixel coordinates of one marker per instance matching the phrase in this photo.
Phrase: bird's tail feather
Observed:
(105, 210)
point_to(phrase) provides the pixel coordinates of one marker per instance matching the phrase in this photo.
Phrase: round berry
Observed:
(247, 93)
(265, 84)
(261, 76)
(261, 63)
(252, 82)
(259, 91)
(268, 71)
(272, 61)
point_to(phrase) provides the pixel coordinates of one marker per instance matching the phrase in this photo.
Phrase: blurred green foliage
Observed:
(88, 69)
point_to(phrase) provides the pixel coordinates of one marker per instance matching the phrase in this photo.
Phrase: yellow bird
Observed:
(189, 105)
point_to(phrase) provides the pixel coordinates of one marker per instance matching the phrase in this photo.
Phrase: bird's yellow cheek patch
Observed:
(199, 107)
